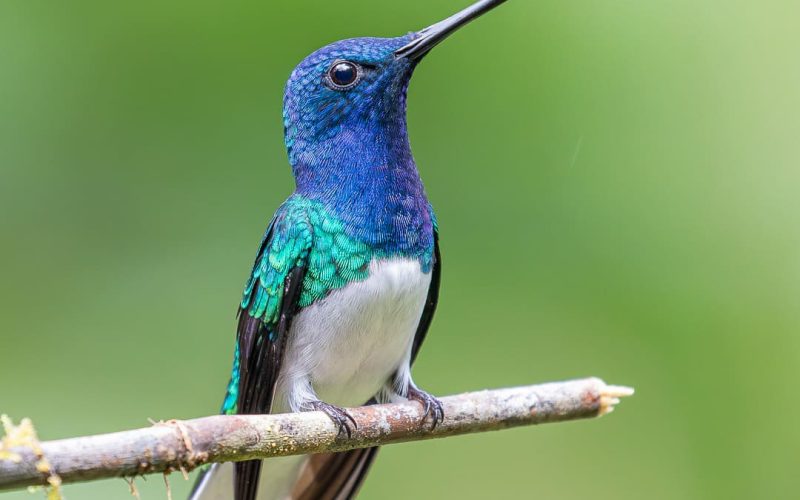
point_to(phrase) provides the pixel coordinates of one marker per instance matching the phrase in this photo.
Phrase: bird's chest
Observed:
(351, 342)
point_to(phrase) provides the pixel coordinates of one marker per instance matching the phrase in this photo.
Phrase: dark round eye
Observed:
(343, 74)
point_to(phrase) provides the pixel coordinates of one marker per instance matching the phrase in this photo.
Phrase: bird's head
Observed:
(342, 94)
(345, 104)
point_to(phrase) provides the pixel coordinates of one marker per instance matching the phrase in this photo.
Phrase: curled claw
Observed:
(431, 406)
(343, 420)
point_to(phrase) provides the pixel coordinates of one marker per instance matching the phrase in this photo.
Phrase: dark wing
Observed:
(338, 476)
(265, 316)
(432, 300)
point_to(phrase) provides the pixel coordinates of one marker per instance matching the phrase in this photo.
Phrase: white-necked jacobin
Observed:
(346, 278)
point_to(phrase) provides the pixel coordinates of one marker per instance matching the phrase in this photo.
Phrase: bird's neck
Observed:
(365, 176)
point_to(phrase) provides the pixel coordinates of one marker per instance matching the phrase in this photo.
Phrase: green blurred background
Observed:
(616, 184)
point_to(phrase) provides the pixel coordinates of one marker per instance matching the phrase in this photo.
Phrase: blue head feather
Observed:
(349, 148)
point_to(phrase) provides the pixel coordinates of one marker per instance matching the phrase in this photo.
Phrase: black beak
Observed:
(428, 38)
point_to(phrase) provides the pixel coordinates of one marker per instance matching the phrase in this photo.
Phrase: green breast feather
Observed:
(301, 233)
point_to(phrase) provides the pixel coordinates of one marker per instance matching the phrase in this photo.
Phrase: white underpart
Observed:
(343, 350)
(347, 348)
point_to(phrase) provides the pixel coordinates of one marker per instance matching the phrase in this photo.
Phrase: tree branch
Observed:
(184, 445)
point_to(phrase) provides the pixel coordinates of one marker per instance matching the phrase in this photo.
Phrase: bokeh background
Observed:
(617, 188)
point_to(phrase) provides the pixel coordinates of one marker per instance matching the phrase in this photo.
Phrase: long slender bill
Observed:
(429, 37)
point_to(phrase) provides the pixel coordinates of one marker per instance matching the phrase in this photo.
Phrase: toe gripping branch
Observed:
(431, 406)
(343, 420)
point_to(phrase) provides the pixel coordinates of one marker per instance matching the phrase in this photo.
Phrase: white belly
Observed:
(342, 350)
(349, 344)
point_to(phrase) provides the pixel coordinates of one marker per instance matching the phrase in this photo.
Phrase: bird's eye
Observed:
(344, 75)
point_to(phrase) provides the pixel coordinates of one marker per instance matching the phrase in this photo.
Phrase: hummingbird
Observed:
(346, 278)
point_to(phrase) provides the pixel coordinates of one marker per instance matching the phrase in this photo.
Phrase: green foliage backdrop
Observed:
(616, 184)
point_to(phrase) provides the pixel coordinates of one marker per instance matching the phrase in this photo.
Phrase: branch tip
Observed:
(610, 396)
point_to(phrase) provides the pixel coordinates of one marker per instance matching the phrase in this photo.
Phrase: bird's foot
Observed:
(343, 420)
(430, 405)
